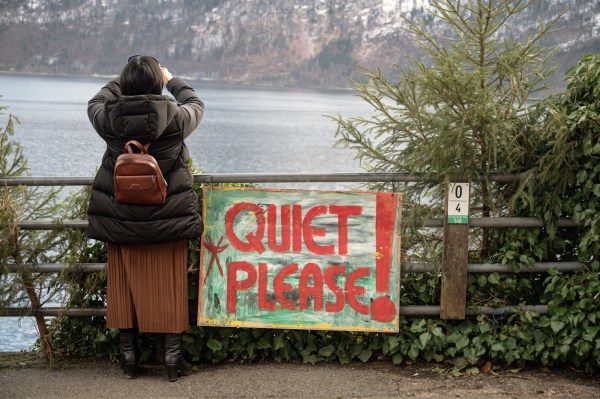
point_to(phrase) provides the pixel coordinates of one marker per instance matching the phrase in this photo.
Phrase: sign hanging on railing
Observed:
(291, 259)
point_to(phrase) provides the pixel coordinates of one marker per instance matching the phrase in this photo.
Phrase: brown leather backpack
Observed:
(138, 179)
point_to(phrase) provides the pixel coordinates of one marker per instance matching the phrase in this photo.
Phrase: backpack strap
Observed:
(142, 147)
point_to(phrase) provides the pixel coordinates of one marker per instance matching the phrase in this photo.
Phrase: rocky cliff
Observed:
(292, 42)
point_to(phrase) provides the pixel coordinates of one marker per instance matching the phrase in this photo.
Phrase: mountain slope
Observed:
(296, 43)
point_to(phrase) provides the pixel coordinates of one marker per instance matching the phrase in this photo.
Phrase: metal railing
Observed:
(406, 267)
(383, 177)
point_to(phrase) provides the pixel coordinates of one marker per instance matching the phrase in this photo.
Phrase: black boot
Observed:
(129, 357)
(175, 363)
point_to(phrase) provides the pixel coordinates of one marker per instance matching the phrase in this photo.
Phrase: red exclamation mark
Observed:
(382, 308)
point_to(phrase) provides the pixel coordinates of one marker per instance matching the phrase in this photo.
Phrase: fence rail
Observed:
(406, 267)
(217, 178)
(50, 224)
(407, 310)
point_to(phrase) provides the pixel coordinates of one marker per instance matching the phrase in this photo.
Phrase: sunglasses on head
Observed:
(139, 55)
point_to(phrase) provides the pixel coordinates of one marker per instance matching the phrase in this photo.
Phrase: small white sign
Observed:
(458, 203)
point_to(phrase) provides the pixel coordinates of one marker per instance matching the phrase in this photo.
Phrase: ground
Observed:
(26, 375)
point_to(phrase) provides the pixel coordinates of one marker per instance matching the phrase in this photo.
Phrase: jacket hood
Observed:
(143, 117)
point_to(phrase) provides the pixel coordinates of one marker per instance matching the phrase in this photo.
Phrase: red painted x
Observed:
(215, 251)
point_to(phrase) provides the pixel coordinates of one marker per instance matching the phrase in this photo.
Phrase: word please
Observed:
(311, 284)
(296, 228)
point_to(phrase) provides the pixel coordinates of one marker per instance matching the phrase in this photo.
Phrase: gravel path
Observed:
(25, 376)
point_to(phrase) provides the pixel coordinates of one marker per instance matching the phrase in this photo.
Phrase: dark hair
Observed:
(141, 75)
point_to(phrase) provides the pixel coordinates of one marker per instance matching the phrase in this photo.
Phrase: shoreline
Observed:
(203, 81)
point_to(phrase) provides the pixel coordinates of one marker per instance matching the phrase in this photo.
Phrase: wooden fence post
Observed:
(453, 298)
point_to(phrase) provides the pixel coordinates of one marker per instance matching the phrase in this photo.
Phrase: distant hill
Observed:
(315, 43)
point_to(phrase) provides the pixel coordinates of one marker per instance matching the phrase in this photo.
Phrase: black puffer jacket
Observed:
(166, 123)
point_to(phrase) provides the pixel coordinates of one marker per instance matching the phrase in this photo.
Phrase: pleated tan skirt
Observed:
(147, 287)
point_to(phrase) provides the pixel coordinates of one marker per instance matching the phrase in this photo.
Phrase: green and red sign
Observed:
(324, 260)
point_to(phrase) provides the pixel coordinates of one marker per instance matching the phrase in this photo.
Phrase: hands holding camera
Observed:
(166, 74)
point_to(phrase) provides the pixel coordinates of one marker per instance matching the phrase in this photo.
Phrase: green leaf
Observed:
(344, 359)
(482, 280)
(264, 343)
(308, 357)
(424, 338)
(365, 355)
(278, 342)
(397, 359)
(413, 353)
(510, 343)
(498, 347)
(524, 259)
(418, 326)
(100, 337)
(538, 335)
(393, 342)
(355, 350)
(583, 348)
(438, 332)
(494, 278)
(556, 325)
(484, 328)
(214, 344)
(326, 351)
(462, 342)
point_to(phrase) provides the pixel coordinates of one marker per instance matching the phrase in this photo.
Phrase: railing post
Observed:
(453, 298)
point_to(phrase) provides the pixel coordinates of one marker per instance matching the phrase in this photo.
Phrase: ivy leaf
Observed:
(482, 280)
(511, 343)
(264, 343)
(344, 359)
(214, 345)
(365, 355)
(278, 342)
(498, 347)
(418, 326)
(484, 327)
(100, 337)
(494, 279)
(583, 348)
(538, 335)
(437, 331)
(393, 343)
(413, 353)
(326, 351)
(462, 342)
(355, 350)
(397, 359)
(425, 338)
(308, 357)
(250, 349)
(556, 325)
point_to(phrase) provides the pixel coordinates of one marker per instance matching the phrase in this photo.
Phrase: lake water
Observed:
(244, 130)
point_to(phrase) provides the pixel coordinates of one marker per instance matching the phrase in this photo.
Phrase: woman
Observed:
(147, 245)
